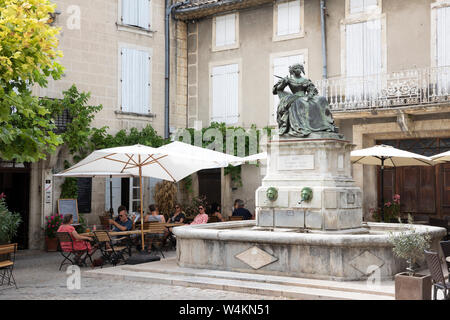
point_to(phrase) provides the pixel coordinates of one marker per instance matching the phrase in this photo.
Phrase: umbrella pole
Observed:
(382, 187)
(142, 206)
(111, 210)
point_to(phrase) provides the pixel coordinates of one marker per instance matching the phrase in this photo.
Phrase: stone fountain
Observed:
(309, 210)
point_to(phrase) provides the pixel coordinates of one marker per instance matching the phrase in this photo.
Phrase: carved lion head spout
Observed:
(306, 194)
(272, 193)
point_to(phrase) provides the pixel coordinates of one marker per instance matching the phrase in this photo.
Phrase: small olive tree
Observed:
(410, 245)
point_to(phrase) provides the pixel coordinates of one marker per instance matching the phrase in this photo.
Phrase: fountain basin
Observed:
(240, 246)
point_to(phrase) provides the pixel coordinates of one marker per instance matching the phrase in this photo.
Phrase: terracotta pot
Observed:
(51, 244)
(417, 287)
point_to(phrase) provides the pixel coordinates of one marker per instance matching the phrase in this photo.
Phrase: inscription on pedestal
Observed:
(296, 162)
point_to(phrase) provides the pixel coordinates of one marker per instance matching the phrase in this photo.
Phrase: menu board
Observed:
(66, 206)
(84, 188)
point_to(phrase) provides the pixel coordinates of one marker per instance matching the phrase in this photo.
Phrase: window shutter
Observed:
(230, 29)
(283, 19)
(225, 30)
(356, 6)
(143, 12)
(129, 12)
(443, 36)
(225, 91)
(116, 194)
(135, 81)
(220, 31)
(294, 17)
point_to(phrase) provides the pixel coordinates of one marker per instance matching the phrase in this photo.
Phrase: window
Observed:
(443, 36)
(288, 20)
(136, 13)
(225, 93)
(281, 69)
(362, 6)
(442, 49)
(363, 58)
(225, 32)
(135, 80)
(125, 191)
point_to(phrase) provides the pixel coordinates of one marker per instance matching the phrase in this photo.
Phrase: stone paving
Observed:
(38, 277)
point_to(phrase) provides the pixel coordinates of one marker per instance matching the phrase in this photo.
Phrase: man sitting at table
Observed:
(122, 223)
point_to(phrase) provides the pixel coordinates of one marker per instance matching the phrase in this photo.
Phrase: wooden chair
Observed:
(155, 232)
(104, 221)
(236, 218)
(213, 219)
(110, 252)
(7, 266)
(76, 255)
(445, 246)
(434, 265)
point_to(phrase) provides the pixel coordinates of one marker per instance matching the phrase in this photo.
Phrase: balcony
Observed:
(419, 87)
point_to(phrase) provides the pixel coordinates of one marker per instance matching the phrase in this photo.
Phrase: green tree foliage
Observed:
(28, 56)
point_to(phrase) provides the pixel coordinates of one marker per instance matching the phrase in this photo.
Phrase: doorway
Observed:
(210, 185)
(15, 184)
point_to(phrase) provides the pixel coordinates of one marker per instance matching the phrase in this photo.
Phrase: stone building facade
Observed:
(387, 79)
(114, 49)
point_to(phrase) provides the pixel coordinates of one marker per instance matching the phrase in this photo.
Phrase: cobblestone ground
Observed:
(38, 277)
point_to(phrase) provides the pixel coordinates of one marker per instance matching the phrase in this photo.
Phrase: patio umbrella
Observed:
(441, 157)
(171, 163)
(383, 155)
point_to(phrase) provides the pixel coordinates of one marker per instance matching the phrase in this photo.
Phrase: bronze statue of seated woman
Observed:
(302, 112)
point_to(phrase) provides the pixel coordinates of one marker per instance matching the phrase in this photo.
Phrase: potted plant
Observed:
(52, 224)
(410, 245)
(391, 211)
(9, 222)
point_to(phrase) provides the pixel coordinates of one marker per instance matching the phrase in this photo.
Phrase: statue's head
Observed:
(297, 68)
(306, 194)
(272, 193)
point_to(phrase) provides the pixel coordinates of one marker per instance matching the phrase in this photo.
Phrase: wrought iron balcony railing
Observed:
(381, 91)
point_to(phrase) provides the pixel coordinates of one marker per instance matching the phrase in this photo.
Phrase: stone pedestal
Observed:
(324, 166)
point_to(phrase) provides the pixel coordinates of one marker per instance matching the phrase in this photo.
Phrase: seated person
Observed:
(122, 223)
(215, 211)
(202, 217)
(154, 215)
(80, 243)
(239, 210)
(178, 216)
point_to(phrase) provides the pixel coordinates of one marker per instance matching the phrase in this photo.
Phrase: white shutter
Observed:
(356, 6)
(230, 29)
(443, 49)
(283, 19)
(135, 81)
(294, 17)
(220, 31)
(130, 12)
(143, 12)
(116, 194)
(281, 69)
(370, 5)
(364, 58)
(225, 94)
(225, 30)
(136, 13)
(443, 36)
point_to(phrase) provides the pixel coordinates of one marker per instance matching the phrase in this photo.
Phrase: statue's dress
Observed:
(301, 112)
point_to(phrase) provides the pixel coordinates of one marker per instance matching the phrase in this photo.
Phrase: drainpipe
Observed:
(324, 40)
(169, 8)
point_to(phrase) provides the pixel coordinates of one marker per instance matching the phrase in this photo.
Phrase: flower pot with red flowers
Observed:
(52, 224)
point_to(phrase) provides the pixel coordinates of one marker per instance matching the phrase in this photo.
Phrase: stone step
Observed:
(237, 282)
(168, 266)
